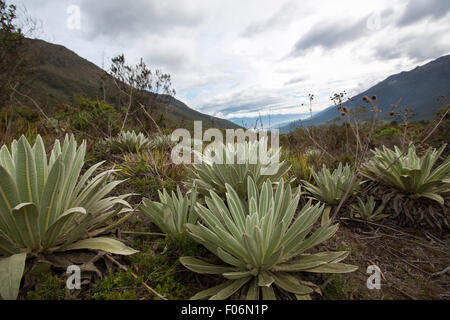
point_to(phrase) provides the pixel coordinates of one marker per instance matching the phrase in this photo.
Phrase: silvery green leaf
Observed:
(11, 272)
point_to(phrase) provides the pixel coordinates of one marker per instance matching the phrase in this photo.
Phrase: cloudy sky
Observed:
(237, 59)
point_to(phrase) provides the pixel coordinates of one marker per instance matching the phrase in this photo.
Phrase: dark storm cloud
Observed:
(330, 36)
(387, 53)
(175, 60)
(116, 18)
(419, 48)
(297, 80)
(282, 16)
(244, 106)
(417, 10)
(241, 101)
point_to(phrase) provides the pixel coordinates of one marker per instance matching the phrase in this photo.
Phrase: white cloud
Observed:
(240, 58)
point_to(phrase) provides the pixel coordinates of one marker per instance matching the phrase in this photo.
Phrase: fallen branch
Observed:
(151, 118)
(405, 261)
(441, 272)
(403, 292)
(32, 100)
(392, 229)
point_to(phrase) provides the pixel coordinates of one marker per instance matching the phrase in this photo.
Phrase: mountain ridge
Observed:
(59, 74)
(418, 89)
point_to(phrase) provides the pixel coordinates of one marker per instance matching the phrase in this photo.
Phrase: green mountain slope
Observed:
(418, 89)
(59, 75)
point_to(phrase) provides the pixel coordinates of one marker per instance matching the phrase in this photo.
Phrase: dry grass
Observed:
(411, 261)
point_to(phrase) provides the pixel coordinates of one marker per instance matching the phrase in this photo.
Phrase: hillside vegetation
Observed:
(57, 76)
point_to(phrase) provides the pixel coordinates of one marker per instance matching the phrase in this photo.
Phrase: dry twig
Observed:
(136, 277)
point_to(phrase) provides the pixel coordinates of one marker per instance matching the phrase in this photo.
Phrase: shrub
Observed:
(300, 167)
(387, 133)
(92, 116)
(149, 171)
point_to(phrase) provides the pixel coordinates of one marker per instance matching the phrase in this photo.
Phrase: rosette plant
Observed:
(238, 162)
(368, 210)
(262, 244)
(48, 206)
(329, 186)
(410, 174)
(172, 211)
(162, 142)
(129, 141)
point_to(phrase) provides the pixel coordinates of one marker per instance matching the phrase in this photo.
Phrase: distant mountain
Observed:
(59, 75)
(299, 116)
(268, 121)
(419, 90)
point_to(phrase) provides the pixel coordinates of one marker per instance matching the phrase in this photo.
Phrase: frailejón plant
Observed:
(409, 173)
(47, 206)
(329, 186)
(239, 161)
(262, 243)
(172, 212)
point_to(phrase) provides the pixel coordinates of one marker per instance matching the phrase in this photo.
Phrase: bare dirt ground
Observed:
(415, 264)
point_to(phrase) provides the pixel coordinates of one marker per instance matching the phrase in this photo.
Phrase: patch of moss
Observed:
(183, 245)
(157, 265)
(48, 287)
(161, 269)
(117, 286)
(343, 247)
(337, 289)
(148, 185)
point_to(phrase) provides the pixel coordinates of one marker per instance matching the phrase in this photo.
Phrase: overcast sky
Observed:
(235, 58)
